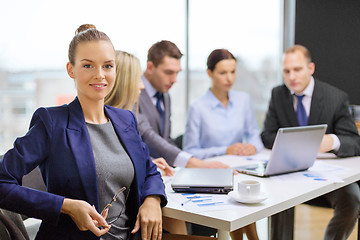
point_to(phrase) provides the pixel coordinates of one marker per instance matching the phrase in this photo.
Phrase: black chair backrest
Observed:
(12, 226)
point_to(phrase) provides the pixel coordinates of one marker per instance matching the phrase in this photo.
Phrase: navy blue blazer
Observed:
(58, 142)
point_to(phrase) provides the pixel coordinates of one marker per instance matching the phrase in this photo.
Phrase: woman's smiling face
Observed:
(93, 70)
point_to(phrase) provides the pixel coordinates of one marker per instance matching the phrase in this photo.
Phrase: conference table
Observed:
(283, 192)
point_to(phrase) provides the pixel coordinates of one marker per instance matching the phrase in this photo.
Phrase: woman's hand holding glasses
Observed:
(85, 216)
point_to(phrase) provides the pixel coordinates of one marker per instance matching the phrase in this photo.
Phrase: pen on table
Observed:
(202, 200)
(190, 198)
(209, 204)
(187, 194)
(199, 197)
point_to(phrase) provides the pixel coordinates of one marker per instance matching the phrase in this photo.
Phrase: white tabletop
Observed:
(283, 191)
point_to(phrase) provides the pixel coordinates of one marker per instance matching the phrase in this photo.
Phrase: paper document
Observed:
(197, 202)
(320, 171)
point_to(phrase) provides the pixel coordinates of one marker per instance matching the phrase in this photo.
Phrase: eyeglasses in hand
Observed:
(110, 204)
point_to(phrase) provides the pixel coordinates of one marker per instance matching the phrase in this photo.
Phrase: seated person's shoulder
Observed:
(123, 114)
(52, 112)
(240, 94)
(142, 119)
(199, 103)
(333, 93)
(279, 91)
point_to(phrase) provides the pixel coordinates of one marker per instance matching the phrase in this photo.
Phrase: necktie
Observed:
(300, 112)
(159, 97)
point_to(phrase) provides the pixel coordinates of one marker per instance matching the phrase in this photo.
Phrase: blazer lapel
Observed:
(152, 110)
(130, 140)
(289, 108)
(167, 107)
(80, 145)
(316, 106)
(125, 133)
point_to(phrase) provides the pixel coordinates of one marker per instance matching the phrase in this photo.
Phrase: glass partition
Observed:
(33, 48)
(35, 39)
(252, 31)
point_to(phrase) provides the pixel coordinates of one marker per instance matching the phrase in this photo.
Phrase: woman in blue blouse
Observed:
(222, 121)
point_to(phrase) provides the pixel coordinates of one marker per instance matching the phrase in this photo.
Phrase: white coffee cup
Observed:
(249, 188)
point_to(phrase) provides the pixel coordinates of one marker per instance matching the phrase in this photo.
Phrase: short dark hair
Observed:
(161, 49)
(216, 56)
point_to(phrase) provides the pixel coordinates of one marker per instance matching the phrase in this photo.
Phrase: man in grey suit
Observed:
(302, 100)
(163, 65)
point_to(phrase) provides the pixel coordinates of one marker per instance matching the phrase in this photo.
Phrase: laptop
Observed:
(294, 149)
(203, 180)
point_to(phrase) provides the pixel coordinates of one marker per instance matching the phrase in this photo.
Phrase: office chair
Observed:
(12, 226)
(34, 180)
(178, 141)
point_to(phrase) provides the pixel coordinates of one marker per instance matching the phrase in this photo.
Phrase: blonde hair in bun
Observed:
(85, 33)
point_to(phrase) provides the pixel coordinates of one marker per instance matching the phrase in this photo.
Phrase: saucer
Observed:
(259, 198)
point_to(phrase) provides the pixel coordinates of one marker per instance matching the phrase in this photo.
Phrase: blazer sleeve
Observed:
(29, 151)
(271, 123)
(345, 129)
(152, 183)
(157, 145)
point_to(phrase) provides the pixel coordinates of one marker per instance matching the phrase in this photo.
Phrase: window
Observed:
(251, 31)
(33, 52)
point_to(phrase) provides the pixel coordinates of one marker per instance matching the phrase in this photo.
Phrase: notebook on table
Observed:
(203, 180)
(294, 149)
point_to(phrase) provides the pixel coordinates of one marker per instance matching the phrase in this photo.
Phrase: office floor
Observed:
(310, 223)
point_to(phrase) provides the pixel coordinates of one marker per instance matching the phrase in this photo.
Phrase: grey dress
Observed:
(114, 170)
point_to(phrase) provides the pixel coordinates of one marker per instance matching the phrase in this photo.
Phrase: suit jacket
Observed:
(149, 124)
(58, 142)
(328, 105)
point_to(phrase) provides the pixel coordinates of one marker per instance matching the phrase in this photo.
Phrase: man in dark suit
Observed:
(163, 65)
(301, 101)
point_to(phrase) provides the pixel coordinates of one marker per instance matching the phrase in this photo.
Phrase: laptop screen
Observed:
(294, 149)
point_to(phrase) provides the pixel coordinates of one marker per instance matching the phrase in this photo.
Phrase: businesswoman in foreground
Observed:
(86, 152)
(223, 121)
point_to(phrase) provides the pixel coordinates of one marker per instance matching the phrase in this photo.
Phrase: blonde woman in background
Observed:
(125, 95)
(126, 91)
(127, 85)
